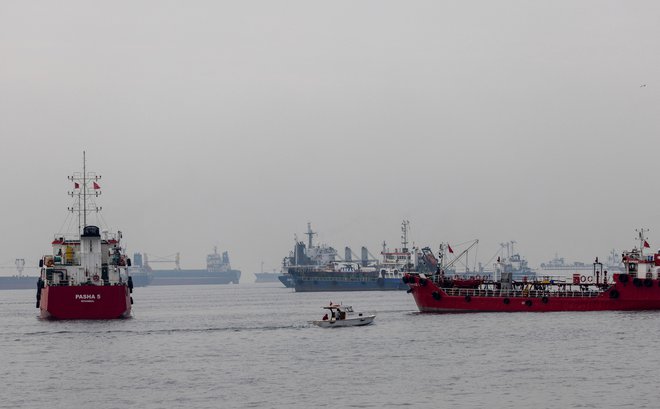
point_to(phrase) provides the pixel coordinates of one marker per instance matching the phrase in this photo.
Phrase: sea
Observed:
(252, 346)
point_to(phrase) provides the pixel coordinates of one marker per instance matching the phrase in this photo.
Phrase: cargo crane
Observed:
(172, 258)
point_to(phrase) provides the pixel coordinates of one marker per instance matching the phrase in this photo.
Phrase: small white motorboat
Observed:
(339, 315)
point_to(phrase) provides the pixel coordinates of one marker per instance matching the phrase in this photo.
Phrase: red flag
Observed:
(76, 185)
(96, 186)
(449, 248)
(646, 244)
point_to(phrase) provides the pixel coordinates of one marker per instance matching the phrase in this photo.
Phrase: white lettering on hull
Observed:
(87, 297)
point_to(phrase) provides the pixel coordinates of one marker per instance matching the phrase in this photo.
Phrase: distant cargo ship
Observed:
(142, 274)
(261, 277)
(272, 277)
(311, 274)
(307, 256)
(559, 264)
(218, 271)
(18, 281)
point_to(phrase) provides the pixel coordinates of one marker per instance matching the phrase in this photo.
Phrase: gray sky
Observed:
(235, 123)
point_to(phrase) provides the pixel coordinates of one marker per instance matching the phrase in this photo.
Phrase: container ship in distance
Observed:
(218, 271)
(637, 287)
(86, 275)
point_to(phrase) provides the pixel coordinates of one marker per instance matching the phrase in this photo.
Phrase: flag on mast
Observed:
(646, 245)
(96, 186)
(76, 185)
(449, 248)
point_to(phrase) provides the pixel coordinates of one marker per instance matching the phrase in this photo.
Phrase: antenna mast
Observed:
(405, 227)
(310, 234)
(79, 179)
(642, 239)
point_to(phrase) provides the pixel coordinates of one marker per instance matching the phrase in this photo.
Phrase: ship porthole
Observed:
(648, 282)
(468, 298)
(528, 303)
(637, 282)
(614, 294)
(436, 295)
(422, 281)
(544, 300)
(506, 301)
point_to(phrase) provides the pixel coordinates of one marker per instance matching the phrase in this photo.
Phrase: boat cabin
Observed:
(86, 259)
(641, 266)
(338, 312)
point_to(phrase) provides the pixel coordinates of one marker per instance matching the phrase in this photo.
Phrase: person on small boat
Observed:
(325, 317)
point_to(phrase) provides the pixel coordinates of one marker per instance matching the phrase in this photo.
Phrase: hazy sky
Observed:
(234, 123)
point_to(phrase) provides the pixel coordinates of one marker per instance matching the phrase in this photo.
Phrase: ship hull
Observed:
(194, 277)
(266, 277)
(141, 280)
(18, 283)
(619, 297)
(286, 279)
(85, 302)
(382, 284)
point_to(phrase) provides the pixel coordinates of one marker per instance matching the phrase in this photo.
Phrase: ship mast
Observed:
(405, 227)
(642, 240)
(310, 234)
(82, 179)
(84, 175)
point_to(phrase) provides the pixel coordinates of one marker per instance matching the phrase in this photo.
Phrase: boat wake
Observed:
(167, 331)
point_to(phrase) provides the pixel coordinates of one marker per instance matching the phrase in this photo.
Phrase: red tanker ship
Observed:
(86, 276)
(638, 288)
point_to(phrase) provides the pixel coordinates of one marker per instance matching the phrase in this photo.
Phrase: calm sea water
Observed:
(250, 346)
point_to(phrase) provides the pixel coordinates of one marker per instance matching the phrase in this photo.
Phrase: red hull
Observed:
(629, 297)
(85, 302)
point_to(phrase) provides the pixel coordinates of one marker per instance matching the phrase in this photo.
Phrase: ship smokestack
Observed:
(365, 256)
(347, 254)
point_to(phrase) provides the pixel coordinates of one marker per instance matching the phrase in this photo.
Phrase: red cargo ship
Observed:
(638, 288)
(86, 276)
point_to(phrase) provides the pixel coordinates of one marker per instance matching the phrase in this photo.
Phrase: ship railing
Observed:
(59, 283)
(514, 293)
(343, 278)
